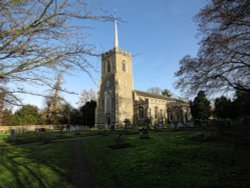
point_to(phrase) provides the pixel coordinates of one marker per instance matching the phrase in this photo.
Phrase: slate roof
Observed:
(151, 95)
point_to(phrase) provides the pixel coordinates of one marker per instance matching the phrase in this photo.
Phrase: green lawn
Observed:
(46, 165)
(168, 159)
(182, 158)
(3, 138)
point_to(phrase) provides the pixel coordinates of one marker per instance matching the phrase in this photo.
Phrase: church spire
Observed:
(116, 34)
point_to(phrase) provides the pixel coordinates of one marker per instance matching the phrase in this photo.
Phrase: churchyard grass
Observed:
(3, 138)
(45, 165)
(182, 158)
(168, 159)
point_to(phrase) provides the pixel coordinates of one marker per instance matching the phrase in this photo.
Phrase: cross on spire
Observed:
(116, 33)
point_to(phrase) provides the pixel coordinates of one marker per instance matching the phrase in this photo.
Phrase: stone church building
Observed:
(118, 101)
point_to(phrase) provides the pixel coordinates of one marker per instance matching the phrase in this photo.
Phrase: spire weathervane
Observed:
(116, 33)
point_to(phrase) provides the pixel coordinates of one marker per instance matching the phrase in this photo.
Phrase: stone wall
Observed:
(31, 128)
(25, 128)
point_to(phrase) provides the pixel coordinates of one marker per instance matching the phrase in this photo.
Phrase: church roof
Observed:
(151, 95)
(146, 94)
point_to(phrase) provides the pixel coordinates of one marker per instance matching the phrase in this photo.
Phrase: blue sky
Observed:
(158, 33)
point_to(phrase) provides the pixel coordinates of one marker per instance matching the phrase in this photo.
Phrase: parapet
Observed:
(117, 51)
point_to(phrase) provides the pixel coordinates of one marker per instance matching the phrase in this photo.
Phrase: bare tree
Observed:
(223, 60)
(155, 90)
(38, 38)
(87, 96)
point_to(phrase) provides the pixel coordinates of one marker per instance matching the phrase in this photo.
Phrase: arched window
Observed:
(141, 112)
(124, 66)
(108, 66)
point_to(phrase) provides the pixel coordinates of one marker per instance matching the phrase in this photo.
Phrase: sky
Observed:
(158, 33)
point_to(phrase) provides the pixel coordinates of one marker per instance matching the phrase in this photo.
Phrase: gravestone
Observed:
(12, 135)
(179, 124)
(174, 125)
(40, 130)
(112, 128)
(171, 125)
(72, 128)
(190, 124)
(143, 133)
(119, 139)
(126, 125)
(120, 143)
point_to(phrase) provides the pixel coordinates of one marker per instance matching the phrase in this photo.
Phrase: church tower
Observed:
(115, 96)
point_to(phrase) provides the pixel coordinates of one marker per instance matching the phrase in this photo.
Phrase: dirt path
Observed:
(81, 177)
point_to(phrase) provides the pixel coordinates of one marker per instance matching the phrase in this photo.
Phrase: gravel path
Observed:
(81, 177)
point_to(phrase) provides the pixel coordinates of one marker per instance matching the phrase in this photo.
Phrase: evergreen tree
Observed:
(166, 93)
(200, 108)
(16, 120)
(242, 104)
(223, 108)
(66, 113)
(26, 115)
(76, 117)
(88, 111)
(54, 103)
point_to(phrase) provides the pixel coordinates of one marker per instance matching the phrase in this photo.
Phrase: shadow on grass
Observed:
(47, 165)
(169, 159)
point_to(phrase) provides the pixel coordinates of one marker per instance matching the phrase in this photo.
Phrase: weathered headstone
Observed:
(179, 124)
(190, 124)
(12, 135)
(112, 128)
(120, 143)
(174, 125)
(126, 125)
(143, 133)
(171, 125)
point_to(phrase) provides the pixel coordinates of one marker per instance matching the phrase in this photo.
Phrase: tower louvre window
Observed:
(108, 66)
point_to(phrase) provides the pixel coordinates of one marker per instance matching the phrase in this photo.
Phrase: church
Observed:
(118, 101)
